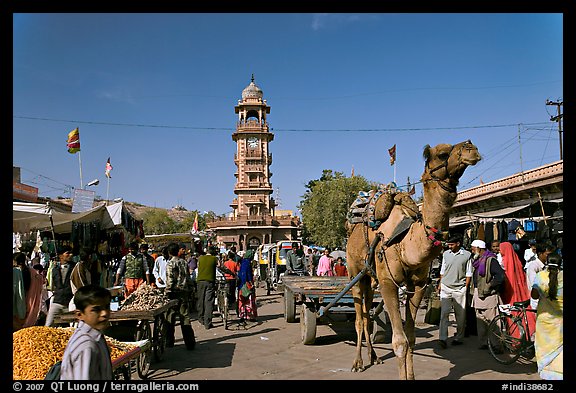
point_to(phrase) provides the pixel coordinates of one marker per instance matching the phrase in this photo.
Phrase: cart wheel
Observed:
(160, 333)
(143, 360)
(307, 325)
(289, 306)
(123, 373)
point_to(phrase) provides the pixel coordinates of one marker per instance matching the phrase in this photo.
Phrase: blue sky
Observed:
(156, 94)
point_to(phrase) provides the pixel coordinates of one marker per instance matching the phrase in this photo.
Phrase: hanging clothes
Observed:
(495, 231)
(480, 231)
(512, 226)
(489, 233)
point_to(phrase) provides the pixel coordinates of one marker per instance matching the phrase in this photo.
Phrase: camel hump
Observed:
(374, 207)
(409, 206)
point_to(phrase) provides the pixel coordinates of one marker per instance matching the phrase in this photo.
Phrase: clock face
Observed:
(253, 142)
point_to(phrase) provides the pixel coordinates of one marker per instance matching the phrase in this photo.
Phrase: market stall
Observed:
(36, 349)
(144, 315)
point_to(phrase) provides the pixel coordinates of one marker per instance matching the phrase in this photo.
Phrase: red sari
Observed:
(515, 289)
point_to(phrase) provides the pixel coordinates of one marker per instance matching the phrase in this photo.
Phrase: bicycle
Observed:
(509, 336)
(222, 299)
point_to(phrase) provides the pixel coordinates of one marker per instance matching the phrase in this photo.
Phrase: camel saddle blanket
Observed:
(373, 207)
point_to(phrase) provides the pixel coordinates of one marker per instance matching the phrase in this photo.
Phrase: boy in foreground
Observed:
(87, 355)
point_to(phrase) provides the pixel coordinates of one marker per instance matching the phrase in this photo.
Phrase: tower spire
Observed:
(252, 78)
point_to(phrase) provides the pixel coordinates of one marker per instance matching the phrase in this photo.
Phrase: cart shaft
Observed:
(339, 296)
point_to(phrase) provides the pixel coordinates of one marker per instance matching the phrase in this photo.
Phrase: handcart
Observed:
(134, 325)
(317, 296)
(121, 366)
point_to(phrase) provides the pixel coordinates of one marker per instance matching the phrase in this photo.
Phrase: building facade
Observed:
(254, 219)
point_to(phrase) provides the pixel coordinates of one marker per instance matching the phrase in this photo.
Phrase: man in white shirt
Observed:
(530, 252)
(159, 270)
(535, 265)
(455, 276)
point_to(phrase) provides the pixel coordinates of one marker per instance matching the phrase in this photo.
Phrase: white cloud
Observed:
(322, 21)
(116, 95)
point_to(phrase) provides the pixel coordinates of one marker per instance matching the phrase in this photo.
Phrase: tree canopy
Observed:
(325, 204)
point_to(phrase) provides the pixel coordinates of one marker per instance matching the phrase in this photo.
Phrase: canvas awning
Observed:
(33, 216)
(460, 220)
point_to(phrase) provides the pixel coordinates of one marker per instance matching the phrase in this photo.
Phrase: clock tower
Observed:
(254, 219)
(252, 158)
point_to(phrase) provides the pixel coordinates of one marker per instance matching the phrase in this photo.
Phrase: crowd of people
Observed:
(472, 282)
(314, 262)
(482, 278)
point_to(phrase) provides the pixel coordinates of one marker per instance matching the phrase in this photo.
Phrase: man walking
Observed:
(206, 285)
(455, 276)
(488, 279)
(62, 288)
(178, 286)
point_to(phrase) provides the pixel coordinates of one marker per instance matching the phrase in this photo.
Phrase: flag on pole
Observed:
(412, 190)
(195, 225)
(108, 168)
(392, 152)
(73, 142)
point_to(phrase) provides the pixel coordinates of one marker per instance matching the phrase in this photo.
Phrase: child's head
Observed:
(93, 306)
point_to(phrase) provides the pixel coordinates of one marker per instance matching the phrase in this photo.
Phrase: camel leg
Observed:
(389, 292)
(412, 303)
(358, 292)
(368, 323)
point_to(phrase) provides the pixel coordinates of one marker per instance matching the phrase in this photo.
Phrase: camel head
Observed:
(446, 163)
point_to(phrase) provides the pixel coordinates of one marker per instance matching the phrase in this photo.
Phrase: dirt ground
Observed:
(271, 349)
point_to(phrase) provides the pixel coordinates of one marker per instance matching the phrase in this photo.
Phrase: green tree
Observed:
(325, 205)
(157, 221)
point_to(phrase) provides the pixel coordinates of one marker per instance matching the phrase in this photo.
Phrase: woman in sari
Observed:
(548, 287)
(31, 294)
(515, 289)
(246, 291)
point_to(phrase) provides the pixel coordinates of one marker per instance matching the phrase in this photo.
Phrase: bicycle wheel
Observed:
(505, 339)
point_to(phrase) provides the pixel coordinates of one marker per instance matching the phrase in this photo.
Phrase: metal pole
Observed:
(339, 296)
(80, 163)
(560, 131)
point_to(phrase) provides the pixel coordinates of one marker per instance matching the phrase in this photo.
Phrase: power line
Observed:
(279, 129)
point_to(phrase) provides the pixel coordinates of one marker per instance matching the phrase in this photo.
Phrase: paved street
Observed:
(270, 349)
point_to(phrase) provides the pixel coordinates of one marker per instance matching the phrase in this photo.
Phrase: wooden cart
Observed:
(134, 325)
(317, 296)
(122, 366)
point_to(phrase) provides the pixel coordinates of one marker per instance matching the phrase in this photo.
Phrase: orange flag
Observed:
(195, 225)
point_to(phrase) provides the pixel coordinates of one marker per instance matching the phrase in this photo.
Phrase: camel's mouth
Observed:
(472, 160)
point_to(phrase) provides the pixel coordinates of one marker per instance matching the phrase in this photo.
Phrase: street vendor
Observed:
(134, 268)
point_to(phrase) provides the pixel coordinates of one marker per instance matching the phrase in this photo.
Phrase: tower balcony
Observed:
(251, 125)
(244, 220)
(253, 184)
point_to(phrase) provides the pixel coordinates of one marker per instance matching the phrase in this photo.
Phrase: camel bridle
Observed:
(451, 187)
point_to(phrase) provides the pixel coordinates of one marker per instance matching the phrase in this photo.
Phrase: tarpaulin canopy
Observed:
(32, 216)
(460, 220)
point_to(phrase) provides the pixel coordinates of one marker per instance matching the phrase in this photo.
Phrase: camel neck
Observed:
(437, 205)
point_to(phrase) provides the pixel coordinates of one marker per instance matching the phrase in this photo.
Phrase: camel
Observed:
(404, 260)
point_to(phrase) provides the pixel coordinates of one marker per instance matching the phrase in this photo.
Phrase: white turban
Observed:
(479, 244)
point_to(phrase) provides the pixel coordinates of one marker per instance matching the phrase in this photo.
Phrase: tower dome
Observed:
(252, 91)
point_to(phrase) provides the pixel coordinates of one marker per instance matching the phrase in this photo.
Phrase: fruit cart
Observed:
(134, 325)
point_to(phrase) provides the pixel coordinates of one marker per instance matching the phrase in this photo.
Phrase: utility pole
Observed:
(557, 118)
